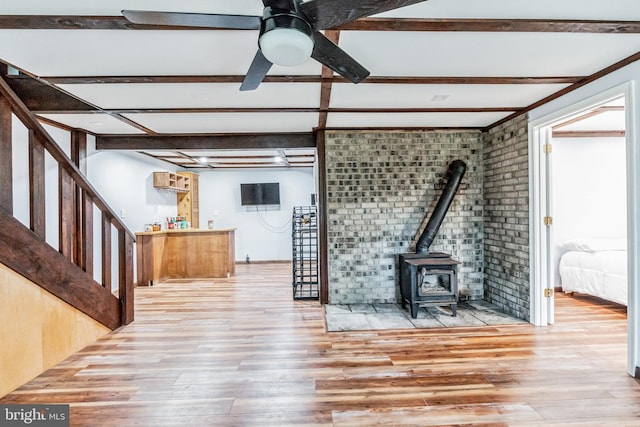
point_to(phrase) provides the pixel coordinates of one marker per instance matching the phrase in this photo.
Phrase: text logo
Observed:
(34, 415)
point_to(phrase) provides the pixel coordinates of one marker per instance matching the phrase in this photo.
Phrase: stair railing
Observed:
(77, 202)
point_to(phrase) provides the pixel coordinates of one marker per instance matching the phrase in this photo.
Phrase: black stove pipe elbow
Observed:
(456, 171)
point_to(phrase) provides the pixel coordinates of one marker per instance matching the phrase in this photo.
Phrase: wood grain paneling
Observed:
(189, 253)
(240, 351)
(37, 330)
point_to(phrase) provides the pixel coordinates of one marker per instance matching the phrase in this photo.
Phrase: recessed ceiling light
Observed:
(439, 98)
(202, 160)
(278, 159)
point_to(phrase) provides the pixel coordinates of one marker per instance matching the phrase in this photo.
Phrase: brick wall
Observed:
(380, 187)
(506, 217)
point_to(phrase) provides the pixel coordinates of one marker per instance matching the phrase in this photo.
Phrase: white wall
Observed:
(20, 165)
(589, 190)
(264, 235)
(20, 137)
(125, 182)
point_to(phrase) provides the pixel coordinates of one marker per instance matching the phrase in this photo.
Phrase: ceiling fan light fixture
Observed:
(286, 46)
(285, 39)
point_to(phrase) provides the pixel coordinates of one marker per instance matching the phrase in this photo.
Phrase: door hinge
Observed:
(548, 220)
(548, 292)
(547, 149)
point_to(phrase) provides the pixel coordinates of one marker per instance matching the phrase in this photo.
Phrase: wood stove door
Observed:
(436, 281)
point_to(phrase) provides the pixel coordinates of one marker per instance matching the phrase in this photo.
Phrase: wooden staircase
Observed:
(68, 270)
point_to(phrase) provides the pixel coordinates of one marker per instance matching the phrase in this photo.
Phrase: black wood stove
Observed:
(431, 278)
(428, 280)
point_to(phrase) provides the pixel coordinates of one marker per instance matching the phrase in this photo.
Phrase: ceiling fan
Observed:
(289, 32)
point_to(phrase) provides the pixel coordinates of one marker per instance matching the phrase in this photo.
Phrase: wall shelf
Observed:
(171, 181)
(189, 200)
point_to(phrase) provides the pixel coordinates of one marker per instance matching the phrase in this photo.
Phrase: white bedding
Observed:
(596, 267)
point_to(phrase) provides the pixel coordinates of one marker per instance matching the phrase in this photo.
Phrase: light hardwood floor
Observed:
(241, 352)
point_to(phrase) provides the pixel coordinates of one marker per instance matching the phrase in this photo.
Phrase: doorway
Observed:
(544, 249)
(587, 189)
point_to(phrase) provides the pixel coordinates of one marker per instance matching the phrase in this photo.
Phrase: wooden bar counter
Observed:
(185, 253)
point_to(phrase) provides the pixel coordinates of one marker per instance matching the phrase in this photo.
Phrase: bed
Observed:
(596, 267)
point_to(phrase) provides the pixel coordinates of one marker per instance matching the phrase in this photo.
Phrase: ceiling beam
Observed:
(206, 142)
(214, 156)
(327, 84)
(284, 110)
(77, 22)
(316, 79)
(39, 96)
(64, 22)
(588, 134)
(494, 25)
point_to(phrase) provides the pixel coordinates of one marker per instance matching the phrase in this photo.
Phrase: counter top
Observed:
(185, 254)
(185, 230)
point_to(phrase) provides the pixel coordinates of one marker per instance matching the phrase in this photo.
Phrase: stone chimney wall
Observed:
(506, 217)
(381, 189)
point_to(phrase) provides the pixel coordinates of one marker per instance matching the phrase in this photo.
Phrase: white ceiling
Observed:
(50, 53)
(602, 118)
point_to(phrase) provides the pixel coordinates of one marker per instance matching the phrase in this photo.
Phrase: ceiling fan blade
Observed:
(327, 53)
(323, 14)
(280, 4)
(259, 68)
(204, 20)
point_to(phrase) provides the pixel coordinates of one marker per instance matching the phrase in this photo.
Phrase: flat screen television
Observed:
(266, 193)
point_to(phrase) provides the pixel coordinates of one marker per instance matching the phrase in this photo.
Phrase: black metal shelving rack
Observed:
(304, 234)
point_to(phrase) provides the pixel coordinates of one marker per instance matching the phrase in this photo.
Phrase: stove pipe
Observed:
(455, 173)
